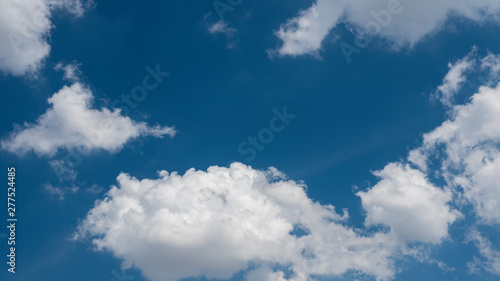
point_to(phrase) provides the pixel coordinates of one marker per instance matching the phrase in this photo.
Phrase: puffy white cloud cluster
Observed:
(467, 144)
(215, 223)
(406, 201)
(72, 123)
(401, 22)
(25, 27)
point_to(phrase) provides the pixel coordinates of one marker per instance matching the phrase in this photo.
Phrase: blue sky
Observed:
(430, 216)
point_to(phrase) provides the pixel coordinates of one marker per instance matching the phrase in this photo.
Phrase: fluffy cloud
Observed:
(216, 223)
(403, 23)
(414, 209)
(470, 158)
(466, 145)
(25, 30)
(480, 182)
(72, 123)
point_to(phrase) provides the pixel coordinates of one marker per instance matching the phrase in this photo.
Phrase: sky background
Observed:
(351, 118)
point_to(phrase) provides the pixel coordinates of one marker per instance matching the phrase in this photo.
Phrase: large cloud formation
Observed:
(216, 223)
(467, 144)
(25, 27)
(72, 123)
(401, 22)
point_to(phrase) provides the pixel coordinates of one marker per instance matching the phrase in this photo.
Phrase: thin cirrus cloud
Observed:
(218, 222)
(72, 123)
(25, 27)
(401, 22)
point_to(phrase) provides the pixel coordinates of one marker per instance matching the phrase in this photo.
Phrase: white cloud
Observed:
(491, 257)
(406, 201)
(215, 223)
(59, 192)
(466, 146)
(403, 23)
(454, 79)
(305, 34)
(71, 71)
(491, 63)
(220, 27)
(480, 182)
(471, 159)
(72, 123)
(25, 27)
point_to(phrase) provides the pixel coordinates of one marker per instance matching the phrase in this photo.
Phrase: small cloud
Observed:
(205, 17)
(455, 78)
(71, 71)
(59, 192)
(72, 123)
(95, 189)
(221, 27)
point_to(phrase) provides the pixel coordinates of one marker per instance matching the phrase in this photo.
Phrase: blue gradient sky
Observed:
(351, 118)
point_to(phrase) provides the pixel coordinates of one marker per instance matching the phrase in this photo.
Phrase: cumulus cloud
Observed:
(401, 22)
(217, 222)
(72, 123)
(25, 27)
(470, 158)
(466, 145)
(413, 208)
